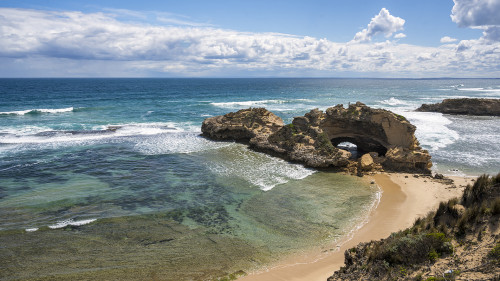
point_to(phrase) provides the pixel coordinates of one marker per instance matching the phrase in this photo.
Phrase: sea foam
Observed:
(71, 222)
(237, 104)
(176, 142)
(43, 135)
(39, 110)
(432, 130)
(393, 102)
(257, 168)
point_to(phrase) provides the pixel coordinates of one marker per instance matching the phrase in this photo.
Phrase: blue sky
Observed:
(257, 38)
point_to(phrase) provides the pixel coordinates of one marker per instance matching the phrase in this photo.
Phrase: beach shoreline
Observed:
(404, 198)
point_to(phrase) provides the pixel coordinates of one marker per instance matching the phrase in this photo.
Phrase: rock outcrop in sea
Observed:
(386, 140)
(465, 106)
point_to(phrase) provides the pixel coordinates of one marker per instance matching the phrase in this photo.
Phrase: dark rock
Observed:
(465, 106)
(439, 176)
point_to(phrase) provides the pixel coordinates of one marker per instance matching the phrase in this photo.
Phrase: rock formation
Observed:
(242, 125)
(465, 106)
(311, 139)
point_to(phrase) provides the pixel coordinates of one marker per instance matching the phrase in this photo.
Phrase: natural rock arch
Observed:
(311, 139)
(364, 144)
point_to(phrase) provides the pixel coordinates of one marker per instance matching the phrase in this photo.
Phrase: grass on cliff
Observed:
(430, 237)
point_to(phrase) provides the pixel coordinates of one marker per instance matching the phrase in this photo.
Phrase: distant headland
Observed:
(465, 106)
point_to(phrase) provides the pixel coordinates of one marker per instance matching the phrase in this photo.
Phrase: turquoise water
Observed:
(80, 154)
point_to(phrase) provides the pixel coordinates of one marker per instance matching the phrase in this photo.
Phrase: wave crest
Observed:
(393, 102)
(246, 103)
(38, 111)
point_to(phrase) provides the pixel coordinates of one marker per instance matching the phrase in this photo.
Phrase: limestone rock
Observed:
(377, 130)
(366, 162)
(465, 106)
(242, 125)
(304, 142)
(387, 139)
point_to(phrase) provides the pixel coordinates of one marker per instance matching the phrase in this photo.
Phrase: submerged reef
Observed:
(465, 106)
(386, 140)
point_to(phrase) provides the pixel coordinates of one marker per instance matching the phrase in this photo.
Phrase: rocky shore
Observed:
(465, 106)
(386, 140)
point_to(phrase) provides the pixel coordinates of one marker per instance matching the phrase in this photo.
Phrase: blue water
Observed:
(75, 151)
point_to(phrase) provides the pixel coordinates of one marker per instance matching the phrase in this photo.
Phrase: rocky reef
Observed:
(385, 140)
(465, 106)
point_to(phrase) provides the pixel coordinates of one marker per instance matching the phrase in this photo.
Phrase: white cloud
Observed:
(482, 14)
(400, 36)
(48, 43)
(383, 23)
(447, 39)
(475, 13)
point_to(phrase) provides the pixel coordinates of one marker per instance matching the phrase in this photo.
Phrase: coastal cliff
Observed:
(465, 106)
(386, 140)
(458, 241)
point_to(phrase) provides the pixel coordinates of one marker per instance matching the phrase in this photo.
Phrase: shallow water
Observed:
(115, 170)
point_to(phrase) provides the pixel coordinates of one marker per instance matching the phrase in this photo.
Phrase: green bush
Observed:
(405, 248)
(495, 253)
(433, 255)
(324, 144)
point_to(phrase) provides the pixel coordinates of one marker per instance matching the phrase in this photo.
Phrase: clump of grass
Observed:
(292, 128)
(400, 117)
(324, 144)
(435, 279)
(495, 253)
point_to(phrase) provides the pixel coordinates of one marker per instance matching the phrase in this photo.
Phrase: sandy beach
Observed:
(404, 198)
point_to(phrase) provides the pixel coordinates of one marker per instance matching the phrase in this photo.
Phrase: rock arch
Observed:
(363, 144)
(311, 139)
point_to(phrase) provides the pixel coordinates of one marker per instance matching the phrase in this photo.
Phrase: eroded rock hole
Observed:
(359, 146)
(352, 148)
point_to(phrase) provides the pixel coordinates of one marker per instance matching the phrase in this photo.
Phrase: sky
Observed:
(196, 38)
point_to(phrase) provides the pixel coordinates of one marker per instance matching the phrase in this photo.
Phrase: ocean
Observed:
(108, 178)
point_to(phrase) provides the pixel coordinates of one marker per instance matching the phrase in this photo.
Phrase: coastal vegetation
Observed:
(460, 238)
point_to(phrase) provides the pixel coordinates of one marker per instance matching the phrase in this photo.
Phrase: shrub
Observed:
(495, 208)
(482, 188)
(495, 253)
(433, 255)
(405, 248)
(324, 144)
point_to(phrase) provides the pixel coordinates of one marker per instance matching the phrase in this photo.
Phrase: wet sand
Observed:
(404, 199)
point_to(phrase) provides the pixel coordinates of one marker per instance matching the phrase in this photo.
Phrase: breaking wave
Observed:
(38, 111)
(432, 130)
(71, 222)
(393, 102)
